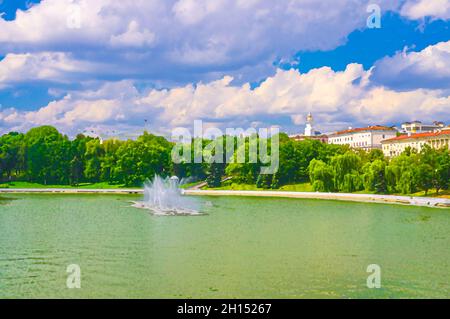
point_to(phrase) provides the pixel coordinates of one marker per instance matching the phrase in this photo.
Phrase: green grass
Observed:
(103, 185)
(236, 187)
(189, 185)
(432, 193)
(303, 187)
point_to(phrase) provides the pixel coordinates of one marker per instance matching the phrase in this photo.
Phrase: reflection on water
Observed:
(244, 247)
(5, 200)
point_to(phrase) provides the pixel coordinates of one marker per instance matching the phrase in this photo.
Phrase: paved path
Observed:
(391, 199)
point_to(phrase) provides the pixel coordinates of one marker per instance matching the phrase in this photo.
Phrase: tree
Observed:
(47, 155)
(442, 171)
(11, 154)
(321, 176)
(93, 158)
(348, 163)
(425, 177)
(76, 171)
(109, 160)
(375, 176)
(140, 160)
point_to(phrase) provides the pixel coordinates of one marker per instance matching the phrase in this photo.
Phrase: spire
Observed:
(309, 130)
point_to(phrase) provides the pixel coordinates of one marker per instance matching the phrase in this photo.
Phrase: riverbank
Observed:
(71, 191)
(365, 198)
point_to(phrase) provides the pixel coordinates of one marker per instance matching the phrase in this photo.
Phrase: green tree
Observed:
(442, 170)
(375, 176)
(47, 155)
(11, 154)
(321, 176)
(425, 177)
(348, 163)
(93, 158)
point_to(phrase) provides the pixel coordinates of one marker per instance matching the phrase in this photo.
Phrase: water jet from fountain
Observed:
(164, 197)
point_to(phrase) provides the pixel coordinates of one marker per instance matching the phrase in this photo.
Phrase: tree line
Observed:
(44, 155)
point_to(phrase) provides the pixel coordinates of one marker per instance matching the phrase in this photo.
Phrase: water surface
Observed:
(243, 248)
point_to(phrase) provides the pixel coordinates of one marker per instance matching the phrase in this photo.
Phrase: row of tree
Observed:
(43, 155)
(406, 174)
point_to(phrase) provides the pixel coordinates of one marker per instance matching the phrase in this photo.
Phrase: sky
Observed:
(119, 67)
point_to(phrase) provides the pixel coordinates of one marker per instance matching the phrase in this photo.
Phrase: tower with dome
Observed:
(310, 132)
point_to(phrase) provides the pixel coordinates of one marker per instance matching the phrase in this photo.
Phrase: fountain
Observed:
(165, 198)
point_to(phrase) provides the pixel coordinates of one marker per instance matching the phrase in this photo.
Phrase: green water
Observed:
(244, 247)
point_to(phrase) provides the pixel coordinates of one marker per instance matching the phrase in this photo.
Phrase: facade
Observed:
(366, 138)
(419, 127)
(396, 146)
(310, 132)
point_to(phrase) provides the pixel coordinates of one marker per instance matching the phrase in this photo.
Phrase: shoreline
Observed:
(363, 198)
(72, 191)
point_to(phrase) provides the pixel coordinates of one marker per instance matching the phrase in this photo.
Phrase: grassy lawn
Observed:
(432, 193)
(304, 187)
(235, 187)
(82, 185)
(189, 185)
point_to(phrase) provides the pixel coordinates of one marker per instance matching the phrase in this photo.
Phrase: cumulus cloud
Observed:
(345, 97)
(209, 52)
(201, 38)
(418, 9)
(429, 68)
(43, 66)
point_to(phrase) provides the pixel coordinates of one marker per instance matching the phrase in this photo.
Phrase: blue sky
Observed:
(9, 7)
(78, 65)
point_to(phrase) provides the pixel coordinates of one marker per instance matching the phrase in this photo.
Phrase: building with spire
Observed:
(310, 132)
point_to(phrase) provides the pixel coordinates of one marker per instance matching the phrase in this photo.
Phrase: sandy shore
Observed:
(366, 198)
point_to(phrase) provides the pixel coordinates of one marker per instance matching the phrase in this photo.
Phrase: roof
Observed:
(417, 136)
(364, 129)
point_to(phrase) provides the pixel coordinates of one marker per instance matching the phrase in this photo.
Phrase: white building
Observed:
(366, 138)
(419, 127)
(396, 146)
(310, 132)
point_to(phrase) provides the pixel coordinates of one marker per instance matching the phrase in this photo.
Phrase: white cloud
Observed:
(43, 66)
(345, 97)
(418, 9)
(133, 37)
(181, 40)
(198, 37)
(429, 68)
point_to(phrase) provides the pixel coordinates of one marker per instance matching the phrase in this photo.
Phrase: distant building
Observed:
(419, 127)
(397, 145)
(366, 138)
(310, 132)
